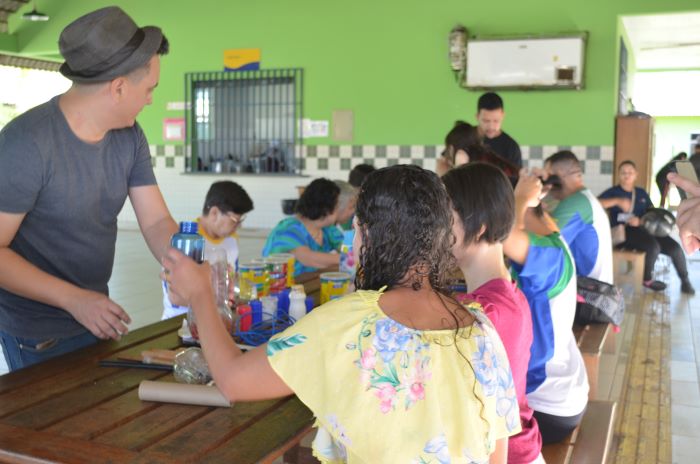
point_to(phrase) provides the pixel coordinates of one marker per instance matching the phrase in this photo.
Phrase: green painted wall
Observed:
(8, 43)
(386, 60)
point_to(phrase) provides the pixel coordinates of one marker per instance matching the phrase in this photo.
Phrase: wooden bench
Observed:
(590, 442)
(591, 339)
(628, 268)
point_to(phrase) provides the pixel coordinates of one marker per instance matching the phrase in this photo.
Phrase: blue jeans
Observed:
(23, 352)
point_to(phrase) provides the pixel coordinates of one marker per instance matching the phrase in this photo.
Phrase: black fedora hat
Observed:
(106, 44)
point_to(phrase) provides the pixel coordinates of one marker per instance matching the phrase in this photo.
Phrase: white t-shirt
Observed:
(557, 383)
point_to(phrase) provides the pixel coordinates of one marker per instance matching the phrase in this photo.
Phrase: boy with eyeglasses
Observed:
(580, 217)
(225, 208)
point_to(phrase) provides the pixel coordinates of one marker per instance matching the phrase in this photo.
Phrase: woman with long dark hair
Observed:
(395, 372)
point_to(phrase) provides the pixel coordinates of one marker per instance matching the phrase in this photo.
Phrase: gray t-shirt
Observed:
(71, 192)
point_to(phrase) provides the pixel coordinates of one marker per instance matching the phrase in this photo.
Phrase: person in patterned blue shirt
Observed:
(310, 235)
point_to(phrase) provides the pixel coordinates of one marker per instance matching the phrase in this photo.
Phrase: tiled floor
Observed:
(135, 285)
(684, 365)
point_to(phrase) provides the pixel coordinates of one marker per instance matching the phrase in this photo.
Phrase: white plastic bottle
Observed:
(297, 302)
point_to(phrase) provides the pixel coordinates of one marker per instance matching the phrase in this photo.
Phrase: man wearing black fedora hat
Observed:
(66, 169)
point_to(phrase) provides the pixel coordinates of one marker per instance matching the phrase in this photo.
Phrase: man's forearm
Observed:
(158, 235)
(19, 276)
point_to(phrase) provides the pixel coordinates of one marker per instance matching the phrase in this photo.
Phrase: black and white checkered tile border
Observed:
(322, 159)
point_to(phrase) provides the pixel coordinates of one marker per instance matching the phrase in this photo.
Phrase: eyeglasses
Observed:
(237, 220)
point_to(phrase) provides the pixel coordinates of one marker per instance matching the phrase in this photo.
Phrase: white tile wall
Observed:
(184, 193)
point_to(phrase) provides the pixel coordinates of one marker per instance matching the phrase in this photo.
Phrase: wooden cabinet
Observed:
(634, 141)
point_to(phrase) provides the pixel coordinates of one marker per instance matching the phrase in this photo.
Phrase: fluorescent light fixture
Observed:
(34, 15)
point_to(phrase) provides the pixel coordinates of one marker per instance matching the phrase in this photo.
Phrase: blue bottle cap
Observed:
(188, 227)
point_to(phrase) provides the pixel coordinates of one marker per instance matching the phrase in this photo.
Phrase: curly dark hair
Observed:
(319, 199)
(482, 196)
(405, 223)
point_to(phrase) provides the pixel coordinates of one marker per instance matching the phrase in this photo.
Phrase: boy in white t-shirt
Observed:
(225, 207)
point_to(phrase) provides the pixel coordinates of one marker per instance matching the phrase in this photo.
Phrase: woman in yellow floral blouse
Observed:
(397, 372)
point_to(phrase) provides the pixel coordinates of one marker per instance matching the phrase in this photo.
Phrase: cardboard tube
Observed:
(169, 392)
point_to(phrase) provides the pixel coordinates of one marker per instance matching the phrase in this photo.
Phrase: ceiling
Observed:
(665, 41)
(7, 7)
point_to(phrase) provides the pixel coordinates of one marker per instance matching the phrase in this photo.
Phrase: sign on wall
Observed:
(174, 129)
(242, 59)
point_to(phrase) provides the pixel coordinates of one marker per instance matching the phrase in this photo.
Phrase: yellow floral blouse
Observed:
(386, 393)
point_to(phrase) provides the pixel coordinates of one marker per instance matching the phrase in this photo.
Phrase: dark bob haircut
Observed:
(319, 199)
(406, 225)
(482, 196)
(229, 197)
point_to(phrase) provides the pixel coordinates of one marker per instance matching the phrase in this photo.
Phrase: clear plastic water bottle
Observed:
(219, 279)
(188, 241)
(297, 302)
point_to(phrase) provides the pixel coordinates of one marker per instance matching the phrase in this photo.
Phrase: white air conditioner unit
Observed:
(526, 63)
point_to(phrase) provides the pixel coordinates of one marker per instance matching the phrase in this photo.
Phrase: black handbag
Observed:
(599, 302)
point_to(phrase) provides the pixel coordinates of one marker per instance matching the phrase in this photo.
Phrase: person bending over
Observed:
(66, 170)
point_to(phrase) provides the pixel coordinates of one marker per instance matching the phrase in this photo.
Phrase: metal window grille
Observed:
(244, 121)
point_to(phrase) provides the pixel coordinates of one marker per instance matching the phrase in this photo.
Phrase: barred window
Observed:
(244, 121)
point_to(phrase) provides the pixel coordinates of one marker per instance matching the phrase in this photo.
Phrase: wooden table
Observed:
(71, 410)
